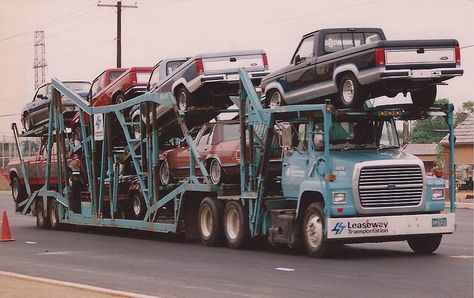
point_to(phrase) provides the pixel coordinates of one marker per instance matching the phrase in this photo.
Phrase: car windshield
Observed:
(78, 86)
(114, 75)
(346, 135)
(173, 65)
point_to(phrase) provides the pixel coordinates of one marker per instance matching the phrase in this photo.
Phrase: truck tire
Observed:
(313, 231)
(53, 214)
(425, 244)
(42, 221)
(18, 190)
(351, 93)
(210, 221)
(236, 225)
(424, 98)
(138, 206)
(183, 98)
(274, 99)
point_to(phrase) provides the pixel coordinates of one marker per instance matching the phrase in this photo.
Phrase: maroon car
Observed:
(218, 144)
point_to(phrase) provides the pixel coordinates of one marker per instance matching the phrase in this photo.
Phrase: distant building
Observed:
(426, 152)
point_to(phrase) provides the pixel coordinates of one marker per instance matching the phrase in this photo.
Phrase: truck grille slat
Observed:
(390, 186)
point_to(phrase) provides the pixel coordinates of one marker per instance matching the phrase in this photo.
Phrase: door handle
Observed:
(284, 164)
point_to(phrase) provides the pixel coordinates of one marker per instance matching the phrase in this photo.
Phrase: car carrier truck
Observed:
(344, 176)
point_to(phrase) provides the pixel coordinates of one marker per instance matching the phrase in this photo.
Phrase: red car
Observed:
(218, 144)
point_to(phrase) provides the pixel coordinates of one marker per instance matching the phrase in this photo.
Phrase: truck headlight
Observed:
(437, 194)
(339, 197)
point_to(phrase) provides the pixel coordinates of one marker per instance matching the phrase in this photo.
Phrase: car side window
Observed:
(154, 78)
(41, 91)
(204, 139)
(97, 85)
(332, 43)
(172, 66)
(305, 50)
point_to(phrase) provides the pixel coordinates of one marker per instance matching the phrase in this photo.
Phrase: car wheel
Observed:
(351, 93)
(27, 122)
(424, 98)
(236, 225)
(18, 190)
(275, 99)
(119, 98)
(53, 214)
(138, 206)
(313, 231)
(42, 221)
(183, 98)
(215, 172)
(425, 244)
(210, 221)
(165, 176)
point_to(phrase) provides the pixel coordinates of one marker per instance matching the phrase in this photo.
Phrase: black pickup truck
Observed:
(352, 65)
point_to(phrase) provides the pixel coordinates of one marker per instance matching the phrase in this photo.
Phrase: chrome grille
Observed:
(390, 186)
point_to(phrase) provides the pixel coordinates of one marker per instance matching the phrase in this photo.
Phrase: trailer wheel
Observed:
(351, 93)
(138, 208)
(42, 221)
(313, 231)
(275, 99)
(236, 225)
(424, 98)
(210, 221)
(183, 98)
(165, 175)
(18, 190)
(215, 172)
(53, 212)
(425, 244)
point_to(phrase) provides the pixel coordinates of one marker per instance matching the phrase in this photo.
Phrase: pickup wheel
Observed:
(236, 225)
(53, 214)
(274, 99)
(42, 221)
(119, 98)
(210, 221)
(425, 97)
(351, 93)
(313, 231)
(18, 190)
(425, 244)
(183, 98)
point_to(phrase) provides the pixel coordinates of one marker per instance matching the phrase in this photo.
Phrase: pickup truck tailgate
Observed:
(232, 63)
(420, 56)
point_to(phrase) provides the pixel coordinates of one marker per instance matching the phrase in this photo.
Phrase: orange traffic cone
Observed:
(6, 235)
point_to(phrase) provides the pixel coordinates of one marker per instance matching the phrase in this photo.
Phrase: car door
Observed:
(302, 73)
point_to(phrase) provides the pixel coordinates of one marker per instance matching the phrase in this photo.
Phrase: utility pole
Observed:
(39, 62)
(119, 7)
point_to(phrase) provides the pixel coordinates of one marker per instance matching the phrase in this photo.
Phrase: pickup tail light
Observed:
(457, 54)
(379, 56)
(237, 155)
(75, 165)
(199, 66)
(265, 61)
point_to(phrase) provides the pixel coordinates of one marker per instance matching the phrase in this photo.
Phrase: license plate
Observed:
(439, 222)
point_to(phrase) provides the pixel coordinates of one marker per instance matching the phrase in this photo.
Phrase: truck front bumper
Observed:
(390, 226)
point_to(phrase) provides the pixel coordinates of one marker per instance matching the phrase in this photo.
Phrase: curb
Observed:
(75, 285)
(461, 205)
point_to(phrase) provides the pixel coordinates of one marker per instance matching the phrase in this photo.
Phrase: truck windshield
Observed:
(363, 134)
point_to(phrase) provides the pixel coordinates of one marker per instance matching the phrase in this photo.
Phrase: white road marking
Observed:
(285, 269)
(462, 257)
(30, 242)
(55, 253)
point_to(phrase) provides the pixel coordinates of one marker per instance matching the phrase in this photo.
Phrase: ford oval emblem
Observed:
(444, 58)
(253, 64)
(391, 186)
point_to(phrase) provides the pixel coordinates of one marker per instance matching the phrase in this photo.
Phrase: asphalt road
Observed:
(165, 266)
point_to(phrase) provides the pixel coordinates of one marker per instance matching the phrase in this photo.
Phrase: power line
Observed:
(469, 46)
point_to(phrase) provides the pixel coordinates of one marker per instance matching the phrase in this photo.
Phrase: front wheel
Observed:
(424, 98)
(42, 221)
(138, 208)
(425, 244)
(275, 99)
(119, 98)
(351, 93)
(236, 224)
(210, 221)
(183, 98)
(313, 231)
(27, 123)
(18, 190)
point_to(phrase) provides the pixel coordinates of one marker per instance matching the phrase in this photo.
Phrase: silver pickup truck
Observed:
(207, 80)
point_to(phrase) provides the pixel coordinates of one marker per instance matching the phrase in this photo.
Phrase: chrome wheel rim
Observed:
(165, 174)
(53, 215)
(27, 123)
(314, 231)
(275, 100)
(15, 190)
(232, 223)
(348, 91)
(206, 221)
(182, 101)
(136, 205)
(215, 172)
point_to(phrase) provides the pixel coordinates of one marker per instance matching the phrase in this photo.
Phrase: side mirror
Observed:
(286, 135)
(406, 135)
(297, 59)
(40, 96)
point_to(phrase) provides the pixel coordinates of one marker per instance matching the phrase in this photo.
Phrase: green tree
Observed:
(468, 106)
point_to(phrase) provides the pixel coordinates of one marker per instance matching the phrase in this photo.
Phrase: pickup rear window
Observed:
(334, 42)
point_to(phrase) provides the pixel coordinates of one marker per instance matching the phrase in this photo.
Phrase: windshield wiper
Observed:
(382, 146)
(362, 146)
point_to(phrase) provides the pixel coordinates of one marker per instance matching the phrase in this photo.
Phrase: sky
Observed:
(80, 36)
